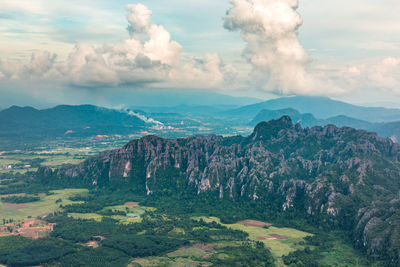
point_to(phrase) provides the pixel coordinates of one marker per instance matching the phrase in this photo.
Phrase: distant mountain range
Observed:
(138, 97)
(178, 97)
(306, 119)
(391, 129)
(85, 120)
(184, 110)
(320, 107)
(28, 124)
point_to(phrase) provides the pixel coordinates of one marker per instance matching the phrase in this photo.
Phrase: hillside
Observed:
(61, 121)
(306, 120)
(390, 129)
(320, 107)
(343, 120)
(28, 127)
(339, 177)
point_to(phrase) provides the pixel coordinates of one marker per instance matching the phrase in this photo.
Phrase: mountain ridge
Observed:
(18, 122)
(338, 175)
(320, 107)
(388, 129)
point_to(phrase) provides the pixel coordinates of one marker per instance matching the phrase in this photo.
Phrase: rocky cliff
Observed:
(350, 178)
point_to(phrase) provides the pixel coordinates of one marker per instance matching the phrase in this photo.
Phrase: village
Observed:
(30, 228)
(37, 228)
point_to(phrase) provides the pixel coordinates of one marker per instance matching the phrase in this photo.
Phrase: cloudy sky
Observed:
(61, 51)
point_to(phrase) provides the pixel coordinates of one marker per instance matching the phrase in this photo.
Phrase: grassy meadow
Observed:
(288, 240)
(133, 214)
(47, 204)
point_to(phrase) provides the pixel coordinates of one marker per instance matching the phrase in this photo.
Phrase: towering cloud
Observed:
(269, 28)
(157, 44)
(139, 18)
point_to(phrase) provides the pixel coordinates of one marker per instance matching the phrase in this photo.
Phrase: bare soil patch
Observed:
(16, 206)
(272, 237)
(34, 232)
(44, 215)
(203, 247)
(2, 234)
(13, 195)
(134, 204)
(254, 223)
(99, 237)
(207, 256)
(279, 236)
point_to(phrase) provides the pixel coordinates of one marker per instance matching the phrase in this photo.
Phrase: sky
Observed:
(81, 51)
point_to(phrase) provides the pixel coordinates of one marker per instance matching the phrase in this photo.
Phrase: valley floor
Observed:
(112, 228)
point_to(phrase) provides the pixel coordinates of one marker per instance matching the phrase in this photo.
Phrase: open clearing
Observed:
(86, 216)
(46, 205)
(19, 160)
(16, 206)
(188, 252)
(281, 241)
(184, 261)
(254, 223)
(132, 209)
(272, 237)
(134, 204)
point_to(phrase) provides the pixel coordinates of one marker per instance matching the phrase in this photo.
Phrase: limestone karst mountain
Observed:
(342, 176)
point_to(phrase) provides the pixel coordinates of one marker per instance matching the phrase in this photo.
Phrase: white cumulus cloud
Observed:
(383, 74)
(149, 57)
(378, 78)
(41, 63)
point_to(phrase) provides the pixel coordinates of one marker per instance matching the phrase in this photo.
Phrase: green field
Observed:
(49, 157)
(98, 217)
(132, 210)
(188, 252)
(165, 261)
(8, 160)
(184, 257)
(86, 216)
(343, 254)
(46, 205)
(194, 256)
(133, 214)
(22, 171)
(278, 247)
